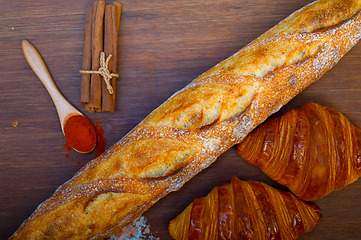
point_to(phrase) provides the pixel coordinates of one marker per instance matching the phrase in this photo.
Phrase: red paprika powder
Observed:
(101, 142)
(80, 133)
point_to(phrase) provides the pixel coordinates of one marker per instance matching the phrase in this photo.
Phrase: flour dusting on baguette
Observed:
(198, 123)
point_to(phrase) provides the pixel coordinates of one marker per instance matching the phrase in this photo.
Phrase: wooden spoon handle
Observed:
(38, 65)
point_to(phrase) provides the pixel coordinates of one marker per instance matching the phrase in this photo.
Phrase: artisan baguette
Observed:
(198, 123)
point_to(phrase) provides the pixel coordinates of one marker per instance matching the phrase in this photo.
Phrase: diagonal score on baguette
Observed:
(197, 124)
(293, 39)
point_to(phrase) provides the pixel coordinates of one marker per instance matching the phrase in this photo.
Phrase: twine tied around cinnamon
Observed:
(103, 71)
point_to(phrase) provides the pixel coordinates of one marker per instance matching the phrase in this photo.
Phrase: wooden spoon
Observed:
(64, 108)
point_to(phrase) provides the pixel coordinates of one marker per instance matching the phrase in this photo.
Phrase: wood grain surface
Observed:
(163, 45)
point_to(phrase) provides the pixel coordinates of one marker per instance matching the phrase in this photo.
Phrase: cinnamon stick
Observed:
(97, 48)
(87, 58)
(107, 99)
(116, 13)
(102, 36)
(95, 6)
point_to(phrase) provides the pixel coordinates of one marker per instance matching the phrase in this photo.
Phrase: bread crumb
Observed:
(15, 124)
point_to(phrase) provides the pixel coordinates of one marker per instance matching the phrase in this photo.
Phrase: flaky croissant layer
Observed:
(312, 150)
(245, 210)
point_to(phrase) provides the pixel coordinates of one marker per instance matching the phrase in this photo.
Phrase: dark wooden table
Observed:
(163, 45)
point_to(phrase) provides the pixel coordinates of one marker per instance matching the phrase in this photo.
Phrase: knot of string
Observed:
(103, 71)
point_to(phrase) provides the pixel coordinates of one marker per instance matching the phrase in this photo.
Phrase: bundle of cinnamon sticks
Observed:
(101, 35)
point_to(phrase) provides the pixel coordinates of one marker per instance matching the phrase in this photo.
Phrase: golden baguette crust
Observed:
(198, 123)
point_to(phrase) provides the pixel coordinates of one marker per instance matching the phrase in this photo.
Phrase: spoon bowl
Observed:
(64, 108)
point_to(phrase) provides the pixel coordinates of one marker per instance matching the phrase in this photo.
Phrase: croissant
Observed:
(312, 150)
(245, 210)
